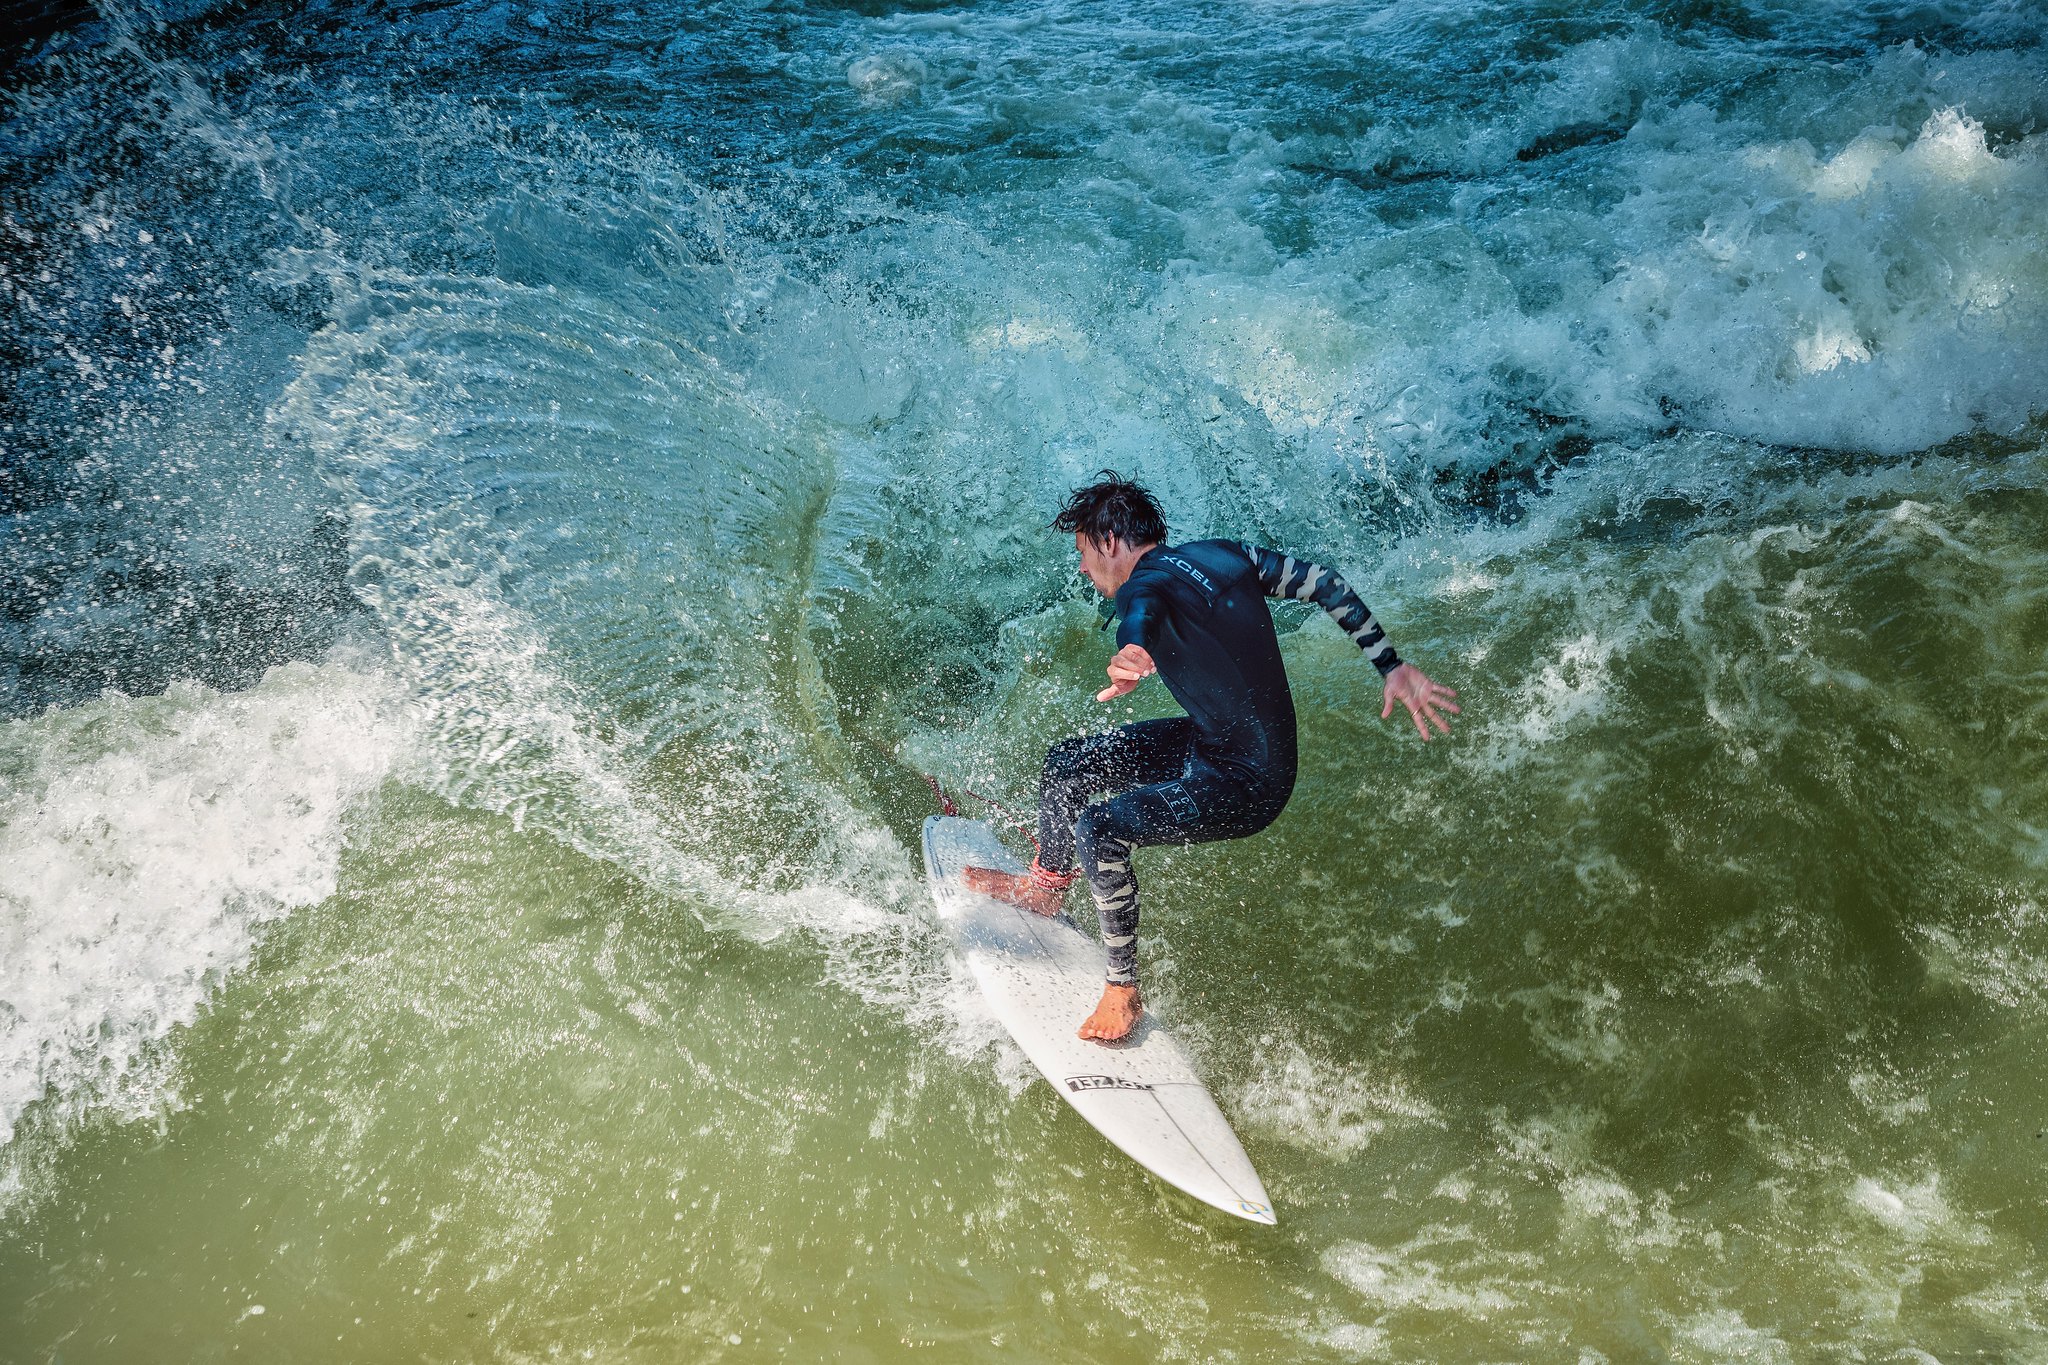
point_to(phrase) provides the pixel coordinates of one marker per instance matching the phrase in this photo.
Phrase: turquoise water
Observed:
(504, 504)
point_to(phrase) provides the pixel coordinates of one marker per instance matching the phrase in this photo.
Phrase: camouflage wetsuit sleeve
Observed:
(1285, 576)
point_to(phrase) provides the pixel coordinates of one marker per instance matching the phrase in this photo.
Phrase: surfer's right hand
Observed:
(1131, 666)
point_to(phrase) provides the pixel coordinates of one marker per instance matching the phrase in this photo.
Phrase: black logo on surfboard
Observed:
(1078, 1083)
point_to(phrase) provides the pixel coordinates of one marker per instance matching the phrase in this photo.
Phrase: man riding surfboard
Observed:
(1195, 614)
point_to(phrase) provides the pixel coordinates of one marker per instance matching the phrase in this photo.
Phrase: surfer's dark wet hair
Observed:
(1113, 508)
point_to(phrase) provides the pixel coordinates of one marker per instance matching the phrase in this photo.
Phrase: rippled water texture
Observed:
(503, 502)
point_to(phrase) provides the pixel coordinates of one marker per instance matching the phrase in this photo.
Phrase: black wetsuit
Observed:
(1226, 768)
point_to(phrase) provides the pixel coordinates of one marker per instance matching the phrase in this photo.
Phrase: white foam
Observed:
(1848, 171)
(142, 843)
(1723, 1335)
(1578, 1023)
(885, 78)
(1917, 1213)
(1563, 692)
(1353, 1340)
(1876, 295)
(1826, 295)
(1321, 1106)
(1555, 1144)
(1403, 1279)
(1889, 1097)
(1996, 968)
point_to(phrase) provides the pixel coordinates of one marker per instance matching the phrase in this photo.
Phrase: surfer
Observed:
(1195, 614)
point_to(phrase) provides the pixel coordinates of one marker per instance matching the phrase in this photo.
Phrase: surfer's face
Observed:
(1107, 564)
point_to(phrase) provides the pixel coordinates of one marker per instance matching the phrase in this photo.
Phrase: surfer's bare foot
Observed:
(1115, 1015)
(1014, 889)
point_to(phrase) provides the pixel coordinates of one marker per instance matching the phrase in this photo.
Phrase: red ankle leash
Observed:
(1051, 881)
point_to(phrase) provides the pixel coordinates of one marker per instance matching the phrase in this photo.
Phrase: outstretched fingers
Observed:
(1434, 702)
(1426, 701)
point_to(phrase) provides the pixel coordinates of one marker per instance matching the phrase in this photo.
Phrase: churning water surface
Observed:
(503, 502)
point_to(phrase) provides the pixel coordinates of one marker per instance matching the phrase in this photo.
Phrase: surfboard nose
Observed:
(1254, 1212)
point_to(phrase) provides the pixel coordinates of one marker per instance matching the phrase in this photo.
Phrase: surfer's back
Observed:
(1199, 609)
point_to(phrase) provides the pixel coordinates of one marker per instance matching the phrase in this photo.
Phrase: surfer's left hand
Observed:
(1127, 669)
(1424, 699)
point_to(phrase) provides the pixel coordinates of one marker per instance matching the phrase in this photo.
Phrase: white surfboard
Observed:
(1042, 977)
